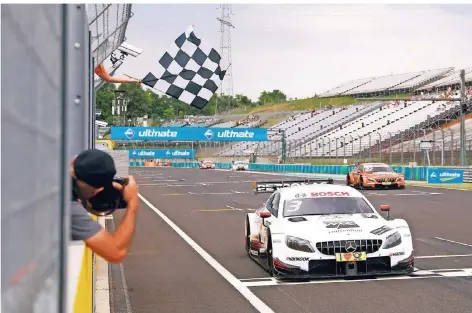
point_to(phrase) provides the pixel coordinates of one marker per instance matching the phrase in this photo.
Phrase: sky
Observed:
(307, 49)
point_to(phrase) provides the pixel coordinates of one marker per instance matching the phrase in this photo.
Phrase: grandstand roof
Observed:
(346, 87)
(451, 79)
(410, 80)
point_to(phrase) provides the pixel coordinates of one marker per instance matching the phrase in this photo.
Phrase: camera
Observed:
(127, 49)
(106, 201)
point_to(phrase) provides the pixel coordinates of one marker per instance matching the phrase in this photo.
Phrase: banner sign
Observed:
(189, 134)
(437, 175)
(162, 154)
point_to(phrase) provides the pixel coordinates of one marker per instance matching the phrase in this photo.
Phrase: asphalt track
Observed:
(165, 273)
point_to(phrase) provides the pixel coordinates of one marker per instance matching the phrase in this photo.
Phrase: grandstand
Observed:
(446, 139)
(371, 129)
(353, 130)
(390, 84)
(449, 80)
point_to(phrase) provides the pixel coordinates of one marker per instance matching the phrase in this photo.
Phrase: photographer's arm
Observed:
(113, 247)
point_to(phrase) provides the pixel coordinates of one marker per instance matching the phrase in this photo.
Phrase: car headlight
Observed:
(299, 244)
(393, 240)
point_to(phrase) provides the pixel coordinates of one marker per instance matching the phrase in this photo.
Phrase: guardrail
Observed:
(411, 173)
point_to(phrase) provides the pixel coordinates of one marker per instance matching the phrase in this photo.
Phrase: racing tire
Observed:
(247, 233)
(361, 183)
(270, 261)
(348, 181)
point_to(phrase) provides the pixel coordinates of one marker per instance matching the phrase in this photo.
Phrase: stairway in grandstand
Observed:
(371, 129)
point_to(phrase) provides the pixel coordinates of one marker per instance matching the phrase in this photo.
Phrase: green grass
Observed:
(310, 103)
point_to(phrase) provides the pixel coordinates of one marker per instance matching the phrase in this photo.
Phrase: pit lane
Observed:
(165, 274)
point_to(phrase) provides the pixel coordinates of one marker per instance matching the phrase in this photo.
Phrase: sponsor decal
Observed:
(397, 253)
(330, 194)
(340, 224)
(297, 258)
(369, 215)
(344, 230)
(381, 230)
(188, 133)
(300, 195)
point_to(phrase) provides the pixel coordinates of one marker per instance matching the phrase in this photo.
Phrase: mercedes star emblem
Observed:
(350, 246)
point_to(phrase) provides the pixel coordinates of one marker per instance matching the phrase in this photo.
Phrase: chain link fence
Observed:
(430, 146)
(107, 24)
(423, 146)
(47, 117)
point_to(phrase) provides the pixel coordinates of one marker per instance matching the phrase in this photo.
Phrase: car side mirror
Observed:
(385, 208)
(265, 214)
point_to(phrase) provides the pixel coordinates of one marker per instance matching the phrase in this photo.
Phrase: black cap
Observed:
(95, 167)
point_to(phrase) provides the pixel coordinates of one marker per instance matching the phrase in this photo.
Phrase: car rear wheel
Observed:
(348, 181)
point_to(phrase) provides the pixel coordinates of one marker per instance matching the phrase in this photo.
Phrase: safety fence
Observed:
(421, 146)
(418, 173)
(48, 104)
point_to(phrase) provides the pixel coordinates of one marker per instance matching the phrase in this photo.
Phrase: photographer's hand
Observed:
(130, 192)
(114, 246)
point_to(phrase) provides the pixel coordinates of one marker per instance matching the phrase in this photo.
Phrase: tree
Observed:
(145, 102)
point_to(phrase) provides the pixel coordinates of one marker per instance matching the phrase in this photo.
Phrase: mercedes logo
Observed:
(350, 246)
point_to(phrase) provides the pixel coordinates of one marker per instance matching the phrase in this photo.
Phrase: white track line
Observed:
(421, 274)
(452, 241)
(258, 304)
(442, 256)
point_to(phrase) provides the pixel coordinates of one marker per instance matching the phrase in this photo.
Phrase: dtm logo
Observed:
(208, 134)
(129, 133)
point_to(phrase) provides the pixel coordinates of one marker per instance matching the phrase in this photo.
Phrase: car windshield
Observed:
(376, 169)
(326, 206)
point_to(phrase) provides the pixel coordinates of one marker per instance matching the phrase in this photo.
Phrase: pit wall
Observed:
(411, 173)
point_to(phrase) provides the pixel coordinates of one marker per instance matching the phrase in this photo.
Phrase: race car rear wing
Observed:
(271, 186)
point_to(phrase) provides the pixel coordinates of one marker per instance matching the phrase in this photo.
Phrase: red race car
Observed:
(207, 165)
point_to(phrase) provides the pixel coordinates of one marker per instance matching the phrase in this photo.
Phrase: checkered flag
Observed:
(189, 71)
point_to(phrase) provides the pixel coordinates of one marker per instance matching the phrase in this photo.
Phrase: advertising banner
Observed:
(162, 154)
(437, 175)
(188, 134)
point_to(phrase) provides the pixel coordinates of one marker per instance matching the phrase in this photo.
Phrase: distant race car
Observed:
(375, 175)
(240, 165)
(314, 229)
(207, 164)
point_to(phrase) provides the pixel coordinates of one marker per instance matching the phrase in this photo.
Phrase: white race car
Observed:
(312, 228)
(240, 165)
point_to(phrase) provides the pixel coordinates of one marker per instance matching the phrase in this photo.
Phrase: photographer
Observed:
(92, 174)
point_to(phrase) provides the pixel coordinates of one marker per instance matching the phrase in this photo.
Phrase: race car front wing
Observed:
(374, 266)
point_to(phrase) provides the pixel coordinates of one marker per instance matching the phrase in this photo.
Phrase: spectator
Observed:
(92, 172)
